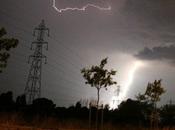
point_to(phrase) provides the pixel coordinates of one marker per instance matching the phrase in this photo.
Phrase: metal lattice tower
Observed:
(33, 85)
(117, 92)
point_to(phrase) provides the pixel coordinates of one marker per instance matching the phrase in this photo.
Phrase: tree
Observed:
(21, 101)
(5, 45)
(153, 92)
(167, 114)
(99, 77)
(6, 101)
(152, 95)
(43, 106)
(132, 111)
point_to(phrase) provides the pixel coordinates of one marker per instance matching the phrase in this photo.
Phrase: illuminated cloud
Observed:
(166, 53)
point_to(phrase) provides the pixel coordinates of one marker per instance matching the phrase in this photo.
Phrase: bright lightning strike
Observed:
(126, 87)
(79, 9)
(136, 65)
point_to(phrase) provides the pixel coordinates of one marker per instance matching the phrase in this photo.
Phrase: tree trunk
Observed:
(102, 117)
(98, 98)
(90, 116)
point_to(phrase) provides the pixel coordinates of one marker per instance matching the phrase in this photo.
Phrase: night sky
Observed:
(138, 37)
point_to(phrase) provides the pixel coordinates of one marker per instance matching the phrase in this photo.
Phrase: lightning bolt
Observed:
(79, 9)
(129, 81)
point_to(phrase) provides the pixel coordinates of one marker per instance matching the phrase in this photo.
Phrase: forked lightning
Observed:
(79, 9)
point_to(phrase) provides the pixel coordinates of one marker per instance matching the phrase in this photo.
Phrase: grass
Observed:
(15, 122)
(72, 126)
(3, 127)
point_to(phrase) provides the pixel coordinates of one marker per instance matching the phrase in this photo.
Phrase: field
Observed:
(70, 127)
(16, 122)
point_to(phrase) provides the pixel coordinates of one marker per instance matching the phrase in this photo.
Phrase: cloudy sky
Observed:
(138, 37)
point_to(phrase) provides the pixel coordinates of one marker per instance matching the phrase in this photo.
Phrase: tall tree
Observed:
(152, 95)
(99, 77)
(5, 45)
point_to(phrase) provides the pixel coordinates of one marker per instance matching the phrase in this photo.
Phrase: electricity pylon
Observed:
(33, 85)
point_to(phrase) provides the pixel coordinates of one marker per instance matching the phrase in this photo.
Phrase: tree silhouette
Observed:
(99, 77)
(168, 115)
(152, 95)
(6, 101)
(21, 101)
(154, 91)
(5, 45)
(132, 111)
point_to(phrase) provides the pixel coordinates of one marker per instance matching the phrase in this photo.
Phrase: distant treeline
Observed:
(131, 112)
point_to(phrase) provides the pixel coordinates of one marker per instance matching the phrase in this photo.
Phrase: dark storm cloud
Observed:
(158, 53)
(156, 10)
(155, 17)
(155, 20)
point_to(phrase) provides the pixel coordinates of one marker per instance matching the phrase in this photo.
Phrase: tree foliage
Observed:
(5, 45)
(99, 77)
(153, 92)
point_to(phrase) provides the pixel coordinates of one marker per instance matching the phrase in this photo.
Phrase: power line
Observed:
(63, 45)
(63, 70)
(58, 67)
(52, 52)
(65, 80)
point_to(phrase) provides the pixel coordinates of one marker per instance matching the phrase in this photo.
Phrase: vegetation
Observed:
(99, 77)
(152, 96)
(44, 113)
(6, 44)
(153, 92)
